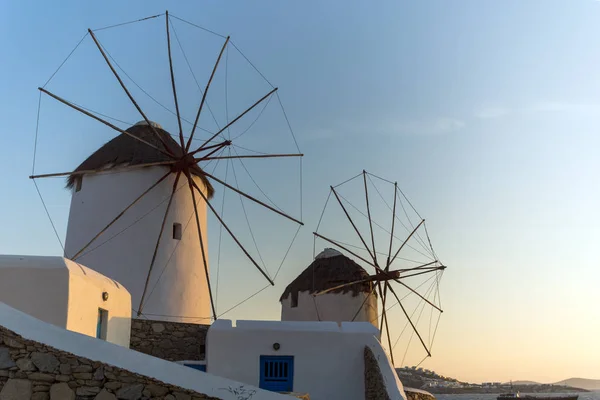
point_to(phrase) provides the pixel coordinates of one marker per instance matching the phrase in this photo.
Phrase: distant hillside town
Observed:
(421, 378)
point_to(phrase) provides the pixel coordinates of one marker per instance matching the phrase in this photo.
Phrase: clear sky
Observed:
(487, 113)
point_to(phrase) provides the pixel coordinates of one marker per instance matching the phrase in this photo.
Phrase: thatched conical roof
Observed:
(329, 269)
(124, 150)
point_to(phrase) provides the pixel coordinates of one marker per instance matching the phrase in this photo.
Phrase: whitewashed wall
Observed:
(65, 294)
(328, 358)
(128, 245)
(336, 307)
(107, 353)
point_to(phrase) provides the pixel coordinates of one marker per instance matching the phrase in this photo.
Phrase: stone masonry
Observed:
(413, 394)
(374, 384)
(33, 371)
(171, 341)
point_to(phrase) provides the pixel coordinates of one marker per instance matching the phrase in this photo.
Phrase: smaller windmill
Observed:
(404, 266)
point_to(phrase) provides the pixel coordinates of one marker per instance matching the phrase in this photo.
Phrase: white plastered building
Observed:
(66, 294)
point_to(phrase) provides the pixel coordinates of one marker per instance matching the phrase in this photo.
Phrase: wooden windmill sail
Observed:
(397, 255)
(146, 146)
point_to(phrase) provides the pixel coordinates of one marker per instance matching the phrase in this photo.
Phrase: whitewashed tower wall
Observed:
(177, 288)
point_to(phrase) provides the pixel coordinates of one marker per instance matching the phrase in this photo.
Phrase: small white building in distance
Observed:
(177, 286)
(330, 268)
(68, 295)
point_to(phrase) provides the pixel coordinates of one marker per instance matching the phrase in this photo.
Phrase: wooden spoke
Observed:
(406, 241)
(369, 216)
(393, 223)
(230, 123)
(81, 110)
(129, 94)
(212, 302)
(154, 254)
(354, 226)
(120, 215)
(422, 266)
(387, 327)
(252, 198)
(383, 299)
(363, 304)
(344, 248)
(423, 298)
(216, 214)
(181, 140)
(101, 170)
(331, 289)
(215, 148)
(249, 156)
(424, 272)
(212, 75)
(218, 145)
(409, 320)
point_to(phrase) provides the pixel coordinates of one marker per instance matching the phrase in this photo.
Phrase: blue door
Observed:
(277, 373)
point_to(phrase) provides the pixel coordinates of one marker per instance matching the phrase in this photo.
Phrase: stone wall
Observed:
(172, 341)
(416, 394)
(374, 384)
(30, 370)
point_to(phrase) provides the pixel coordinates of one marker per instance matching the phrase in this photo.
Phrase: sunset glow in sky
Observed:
(487, 113)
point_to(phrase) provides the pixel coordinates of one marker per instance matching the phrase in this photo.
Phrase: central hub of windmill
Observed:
(184, 164)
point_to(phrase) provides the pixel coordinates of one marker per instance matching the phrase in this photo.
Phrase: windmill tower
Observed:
(123, 251)
(329, 270)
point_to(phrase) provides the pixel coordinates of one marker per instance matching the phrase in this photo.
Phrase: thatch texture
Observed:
(328, 272)
(124, 150)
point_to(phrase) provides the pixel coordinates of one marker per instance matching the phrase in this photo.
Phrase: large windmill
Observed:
(138, 189)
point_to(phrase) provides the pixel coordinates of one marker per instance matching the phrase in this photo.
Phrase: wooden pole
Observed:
(387, 329)
(189, 142)
(154, 254)
(344, 248)
(101, 170)
(424, 272)
(206, 273)
(354, 226)
(129, 94)
(363, 304)
(369, 215)
(393, 223)
(249, 156)
(232, 235)
(81, 110)
(230, 123)
(252, 198)
(215, 149)
(181, 140)
(120, 215)
(407, 239)
(423, 298)
(409, 320)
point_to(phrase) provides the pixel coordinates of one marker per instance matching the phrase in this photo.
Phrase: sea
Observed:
(490, 396)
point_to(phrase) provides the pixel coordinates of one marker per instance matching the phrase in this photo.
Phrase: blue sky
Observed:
(485, 112)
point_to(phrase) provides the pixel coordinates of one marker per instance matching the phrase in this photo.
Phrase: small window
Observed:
(277, 373)
(101, 325)
(177, 231)
(78, 181)
(199, 367)
(294, 302)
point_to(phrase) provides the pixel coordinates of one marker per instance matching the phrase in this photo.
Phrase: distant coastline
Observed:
(432, 382)
(529, 389)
